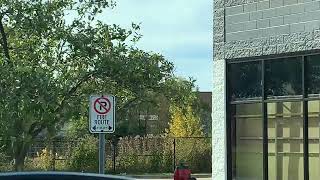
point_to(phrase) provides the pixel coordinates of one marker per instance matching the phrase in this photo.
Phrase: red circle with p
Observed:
(102, 105)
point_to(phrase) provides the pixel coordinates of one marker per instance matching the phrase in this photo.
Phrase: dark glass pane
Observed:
(313, 75)
(244, 80)
(285, 137)
(284, 77)
(246, 141)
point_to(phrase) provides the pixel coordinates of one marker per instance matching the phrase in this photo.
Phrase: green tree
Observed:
(184, 109)
(84, 157)
(184, 123)
(50, 66)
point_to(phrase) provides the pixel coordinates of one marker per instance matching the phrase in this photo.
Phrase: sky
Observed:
(180, 30)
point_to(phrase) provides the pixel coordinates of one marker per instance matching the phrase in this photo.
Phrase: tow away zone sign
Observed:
(102, 114)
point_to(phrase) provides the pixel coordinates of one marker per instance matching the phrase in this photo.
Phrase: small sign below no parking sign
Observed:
(102, 114)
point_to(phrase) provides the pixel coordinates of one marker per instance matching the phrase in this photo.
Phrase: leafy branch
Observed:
(4, 41)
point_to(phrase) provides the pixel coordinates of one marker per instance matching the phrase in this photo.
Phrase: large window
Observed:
(245, 80)
(283, 77)
(313, 76)
(285, 134)
(314, 136)
(274, 118)
(247, 141)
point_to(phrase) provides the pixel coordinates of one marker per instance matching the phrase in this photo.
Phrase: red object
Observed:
(182, 174)
(99, 101)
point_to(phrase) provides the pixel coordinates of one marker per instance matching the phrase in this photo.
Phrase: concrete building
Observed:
(266, 95)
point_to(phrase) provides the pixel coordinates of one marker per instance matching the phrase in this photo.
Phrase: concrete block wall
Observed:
(251, 26)
(271, 17)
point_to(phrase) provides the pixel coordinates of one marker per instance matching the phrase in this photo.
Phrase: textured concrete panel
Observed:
(303, 1)
(219, 158)
(243, 35)
(298, 27)
(250, 25)
(283, 17)
(305, 36)
(264, 23)
(234, 27)
(277, 21)
(218, 38)
(289, 2)
(218, 29)
(278, 30)
(255, 15)
(290, 38)
(256, 51)
(218, 4)
(276, 3)
(272, 45)
(238, 18)
(316, 35)
(292, 47)
(312, 25)
(297, 8)
(218, 121)
(310, 16)
(274, 40)
(229, 3)
(293, 18)
(250, 7)
(234, 10)
(219, 12)
(312, 6)
(269, 13)
(281, 11)
(263, 5)
(310, 45)
(267, 50)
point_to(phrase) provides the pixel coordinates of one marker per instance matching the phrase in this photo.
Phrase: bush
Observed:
(84, 157)
(155, 162)
(196, 153)
(167, 156)
(43, 161)
(5, 164)
(130, 163)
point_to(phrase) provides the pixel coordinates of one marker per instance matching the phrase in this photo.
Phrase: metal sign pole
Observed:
(102, 146)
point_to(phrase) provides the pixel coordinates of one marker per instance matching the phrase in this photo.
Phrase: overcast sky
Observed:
(181, 30)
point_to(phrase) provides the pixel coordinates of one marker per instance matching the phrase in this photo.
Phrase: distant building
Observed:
(154, 120)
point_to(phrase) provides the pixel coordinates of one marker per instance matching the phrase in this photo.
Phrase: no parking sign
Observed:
(102, 114)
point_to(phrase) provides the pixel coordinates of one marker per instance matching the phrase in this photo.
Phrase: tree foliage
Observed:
(184, 123)
(184, 109)
(55, 54)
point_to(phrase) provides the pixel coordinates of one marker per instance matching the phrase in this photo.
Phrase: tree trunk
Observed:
(19, 163)
(20, 155)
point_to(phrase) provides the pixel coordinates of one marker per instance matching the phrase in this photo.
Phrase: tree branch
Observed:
(36, 127)
(4, 41)
(128, 104)
(73, 90)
